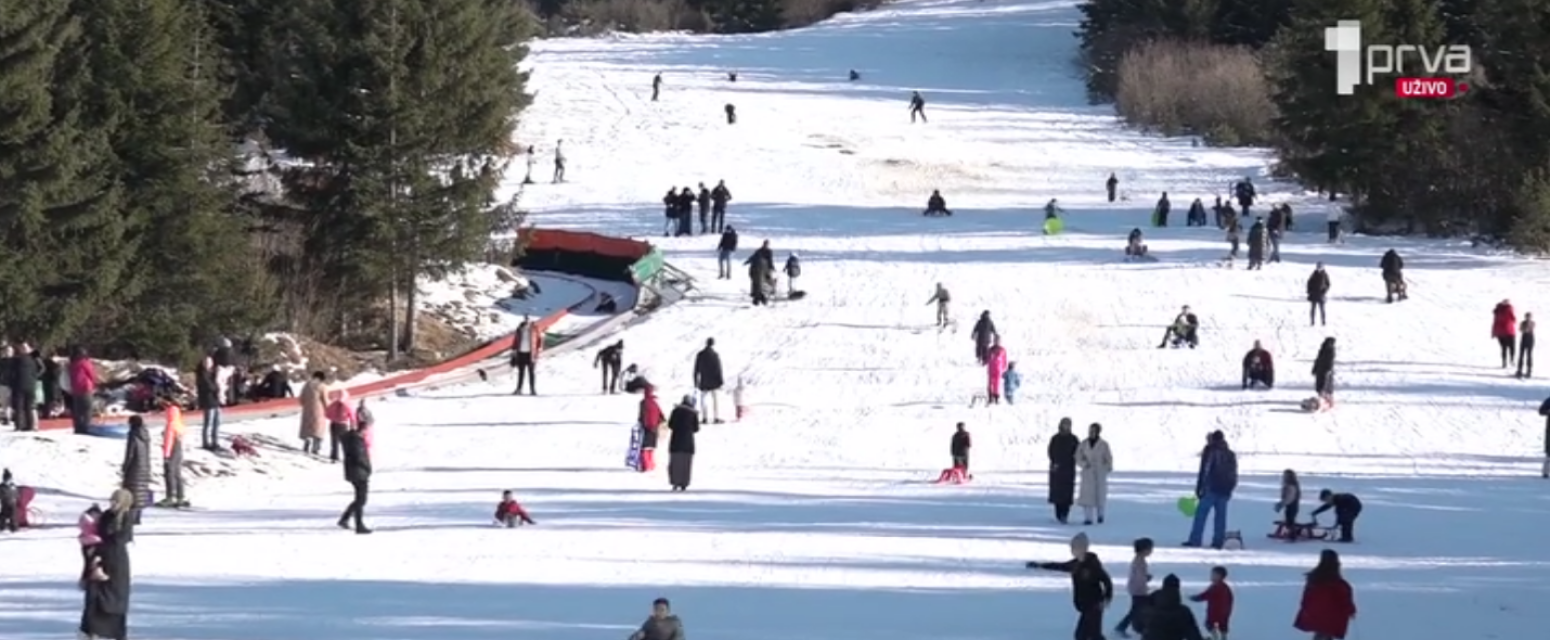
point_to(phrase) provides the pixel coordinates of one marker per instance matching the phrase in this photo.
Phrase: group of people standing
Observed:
(678, 208)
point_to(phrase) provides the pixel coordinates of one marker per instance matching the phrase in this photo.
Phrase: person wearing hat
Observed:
(684, 423)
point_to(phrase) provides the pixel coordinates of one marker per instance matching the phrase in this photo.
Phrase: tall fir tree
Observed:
(59, 222)
(155, 92)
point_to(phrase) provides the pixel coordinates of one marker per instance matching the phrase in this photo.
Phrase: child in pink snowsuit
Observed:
(995, 366)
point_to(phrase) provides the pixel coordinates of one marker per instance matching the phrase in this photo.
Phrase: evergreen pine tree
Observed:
(155, 94)
(59, 222)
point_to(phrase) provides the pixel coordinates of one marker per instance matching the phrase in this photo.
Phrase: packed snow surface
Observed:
(813, 517)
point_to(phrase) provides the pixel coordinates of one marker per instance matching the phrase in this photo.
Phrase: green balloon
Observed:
(1188, 505)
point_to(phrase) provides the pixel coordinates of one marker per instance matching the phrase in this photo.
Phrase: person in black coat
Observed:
(708, 380)
(1393, 268)
(611, 359)
(1318, 291)
(1324, 371)
(703, 200)
(724, 250)
(107, 578)
(984, 333)
(52, 396)
(22, 378)
(357, 472)
(1062, 470)
(208, 398)
(684, 423)
(137, 468)
(960, 448)
(1091, 587)
(1258, 368)
(1347, 508)
(1168, 618)
(686, 200)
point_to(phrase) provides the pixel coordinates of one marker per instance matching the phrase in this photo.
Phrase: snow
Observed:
(471, 299)
(817, 504)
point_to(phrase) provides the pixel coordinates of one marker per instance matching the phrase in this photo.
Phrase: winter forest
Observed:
(1258, 74)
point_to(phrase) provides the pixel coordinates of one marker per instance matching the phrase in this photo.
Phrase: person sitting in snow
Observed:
(1185, 330)
(1134, 247)
(510, 512)
(1258, 368)
(10, 503)
(936, 205)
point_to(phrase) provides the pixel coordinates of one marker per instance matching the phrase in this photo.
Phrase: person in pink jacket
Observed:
(88, 533)
(995, 367)
(340, 416)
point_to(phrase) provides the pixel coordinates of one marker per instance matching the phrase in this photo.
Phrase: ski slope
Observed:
(813, 518)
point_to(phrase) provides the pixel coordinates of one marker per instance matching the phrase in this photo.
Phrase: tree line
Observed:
(570, 17)
(175, 170)
(1476, 165)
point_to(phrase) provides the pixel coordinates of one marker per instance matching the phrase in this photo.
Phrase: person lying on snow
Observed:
(1134, 247)
(1347, 507)
(1185, 330)
(510, 512)
(936, 205)
(1258, 368)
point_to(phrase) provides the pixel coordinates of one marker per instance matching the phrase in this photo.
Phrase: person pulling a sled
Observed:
(936, 205)
(1258, 368)
(1347, 508)
(1185, 330)
(1393, 268)
(1135, 246)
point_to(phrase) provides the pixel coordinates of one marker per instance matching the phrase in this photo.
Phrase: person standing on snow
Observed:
(942, 299)
(1526, 346)
(1332, 223)
(960, 449)
(207, 397)
(656, 87)
(703, 200)
(1544, 411)
(1096, 463)
(525, 344)
(1324, 372)
(995, 366)
(1214, 485)
(1318, 292)
(708, 380)
(761, 269)
(662, 625)
(1091, 588)
(172, 456)
(23, 379)
(917, 107)
(1504, 327)
(1244, 193)
(1062, 468)
(83, 387)
(611, 360)
(559, 161)
(1328, 603)
(793, 270)
(719, 197)
(1161, 211)
(649, 416)
(684, 423)
(1112, 185)
(1257, 244)
(1011, 380)
(724, 251)
(984, 333)
(357, 471)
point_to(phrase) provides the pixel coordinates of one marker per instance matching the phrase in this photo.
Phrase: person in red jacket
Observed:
(510, 512)
(1504, 327)
(650, 418)
(1218, 599)
(1328, 605)
(83, 385)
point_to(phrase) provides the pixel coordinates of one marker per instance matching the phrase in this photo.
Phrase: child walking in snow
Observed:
(1010, 381)
(1136, 586)
(1291, 495)
(738, 397)
(1218, 599)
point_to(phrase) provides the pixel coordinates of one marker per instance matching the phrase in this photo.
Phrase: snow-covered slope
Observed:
(813, 517)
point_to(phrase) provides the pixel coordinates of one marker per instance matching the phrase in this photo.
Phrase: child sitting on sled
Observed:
(1134, 248)
(510, 512)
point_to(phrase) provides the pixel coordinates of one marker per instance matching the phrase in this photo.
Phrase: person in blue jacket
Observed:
(1010, 381)
(1214, 485)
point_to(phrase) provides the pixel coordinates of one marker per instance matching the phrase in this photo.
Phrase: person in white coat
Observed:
(1096, 463)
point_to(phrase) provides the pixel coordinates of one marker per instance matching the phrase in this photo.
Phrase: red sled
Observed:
(953, 476)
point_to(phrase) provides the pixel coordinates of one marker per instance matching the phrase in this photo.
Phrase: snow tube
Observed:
(118, 431)
(1053, 226)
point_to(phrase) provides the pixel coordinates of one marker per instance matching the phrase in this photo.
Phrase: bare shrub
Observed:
(1220, 93)
(636, 16)
(800, 13)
